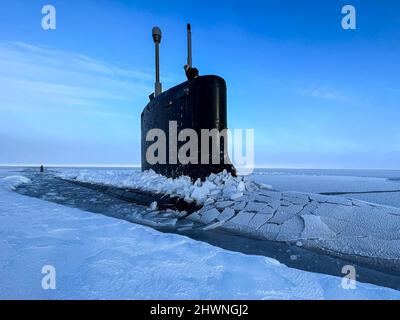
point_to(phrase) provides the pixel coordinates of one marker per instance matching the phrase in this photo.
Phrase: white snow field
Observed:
(98, 257)
(318, 183)
(338, 225)
(377, 186)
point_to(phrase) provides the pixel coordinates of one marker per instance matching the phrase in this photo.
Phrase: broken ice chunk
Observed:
(315, 228)
(209, 216)
(256, 206)
(223, 204)
(241, 187)
(242, 218)
(153, 205)
(200, 193)
(209, 185)
(226, 214)
(236, 196)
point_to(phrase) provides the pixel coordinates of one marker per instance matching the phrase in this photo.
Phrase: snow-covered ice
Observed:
(330, 181)
(318, 181)
(98, 257)
(338, 225)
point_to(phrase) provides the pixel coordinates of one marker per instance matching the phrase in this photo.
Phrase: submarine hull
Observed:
(196, 104)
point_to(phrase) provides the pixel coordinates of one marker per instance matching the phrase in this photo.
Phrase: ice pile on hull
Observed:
(216, 187)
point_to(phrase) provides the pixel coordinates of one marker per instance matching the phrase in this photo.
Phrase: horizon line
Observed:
(31, 165)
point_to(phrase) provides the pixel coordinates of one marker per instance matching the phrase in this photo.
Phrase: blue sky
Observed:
(317, 96)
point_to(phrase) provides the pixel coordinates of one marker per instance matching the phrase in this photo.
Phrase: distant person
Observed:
(191, 73)
(41, 168)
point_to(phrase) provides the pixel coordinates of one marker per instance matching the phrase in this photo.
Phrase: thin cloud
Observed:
(324, 93)
(62, 107)
(33, 77)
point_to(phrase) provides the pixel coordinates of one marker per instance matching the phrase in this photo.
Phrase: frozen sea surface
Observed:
(99, 257)
(336, 225)
(46, 187)
(348, 182)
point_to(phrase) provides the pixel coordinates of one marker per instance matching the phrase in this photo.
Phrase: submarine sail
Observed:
(198, 104)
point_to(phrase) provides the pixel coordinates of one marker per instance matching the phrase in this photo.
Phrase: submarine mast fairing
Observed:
(198, 104)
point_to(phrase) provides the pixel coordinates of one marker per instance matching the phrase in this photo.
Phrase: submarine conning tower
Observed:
(183, 130)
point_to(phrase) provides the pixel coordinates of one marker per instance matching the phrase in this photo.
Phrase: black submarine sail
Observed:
(199, 104)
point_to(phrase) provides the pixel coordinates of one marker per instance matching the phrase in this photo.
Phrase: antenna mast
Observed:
(189, 45)
(157, 39)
